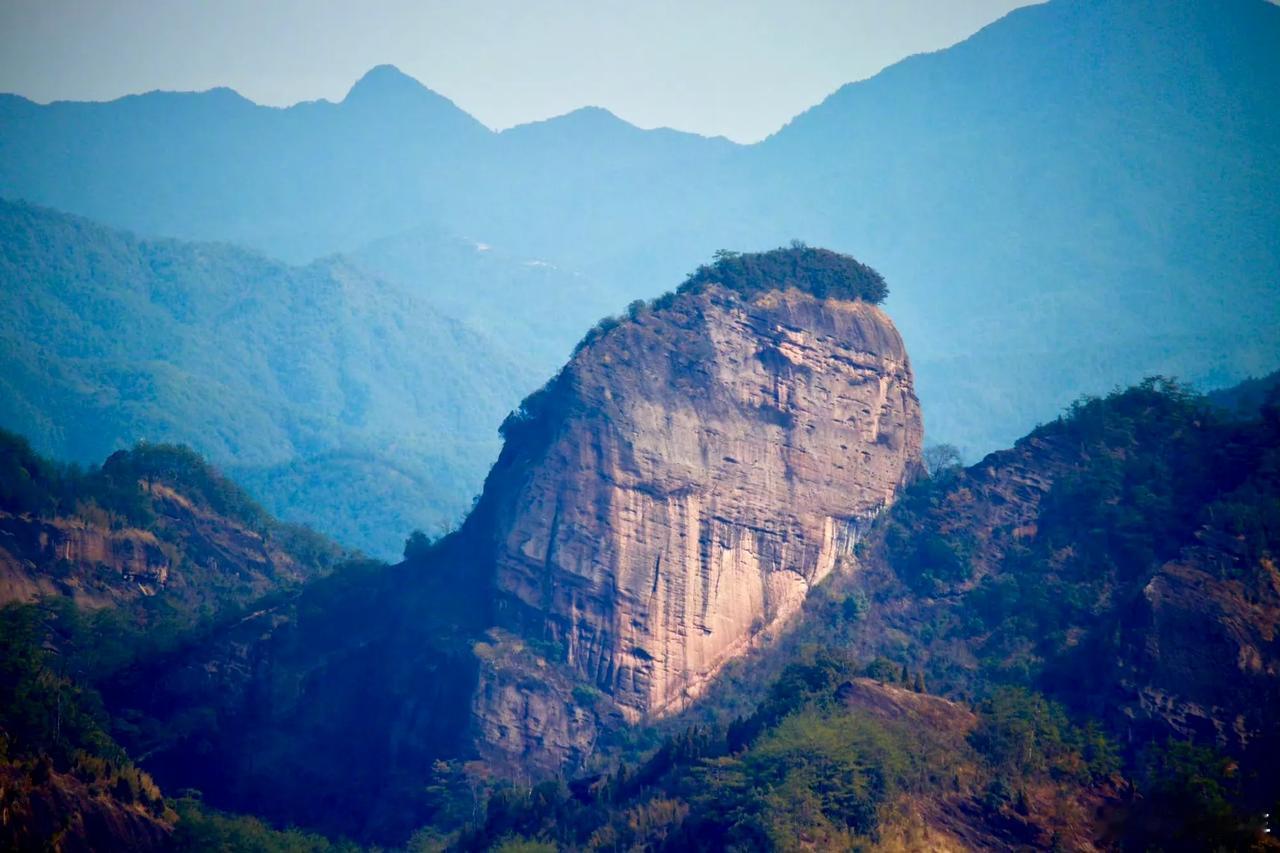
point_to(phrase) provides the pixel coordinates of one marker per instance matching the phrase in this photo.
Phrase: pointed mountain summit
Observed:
(388, 94)
(382, 81)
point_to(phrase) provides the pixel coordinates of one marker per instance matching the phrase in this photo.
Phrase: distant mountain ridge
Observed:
(1086, 187)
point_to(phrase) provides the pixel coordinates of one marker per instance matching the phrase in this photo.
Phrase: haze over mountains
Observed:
(1081, 194)
(356, 407)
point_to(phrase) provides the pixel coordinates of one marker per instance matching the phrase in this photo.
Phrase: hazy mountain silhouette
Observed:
(1081, 194)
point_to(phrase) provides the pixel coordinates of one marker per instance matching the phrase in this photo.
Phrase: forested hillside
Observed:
(102, 568)
(294, 557)
(1070, 645)
(343, 402)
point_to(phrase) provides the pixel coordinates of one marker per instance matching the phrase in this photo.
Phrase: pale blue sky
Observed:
(740, 68)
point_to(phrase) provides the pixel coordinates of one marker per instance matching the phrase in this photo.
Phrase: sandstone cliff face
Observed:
(673, 495)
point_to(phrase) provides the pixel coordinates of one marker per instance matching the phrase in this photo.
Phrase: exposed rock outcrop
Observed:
(191, 553)
(671, 497)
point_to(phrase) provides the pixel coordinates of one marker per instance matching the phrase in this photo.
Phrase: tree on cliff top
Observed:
(819, 272)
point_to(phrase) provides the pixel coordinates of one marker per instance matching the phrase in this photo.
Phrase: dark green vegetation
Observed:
(343, 402)
(66, 780)
(33, 485)
(1079, 195)
(822, 764)
(1122, 560)
(1144, 483)
(354, 685)
(830, 760)
(819, 272)
(59, 765)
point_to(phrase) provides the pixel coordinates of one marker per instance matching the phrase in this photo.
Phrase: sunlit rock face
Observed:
(674, 494)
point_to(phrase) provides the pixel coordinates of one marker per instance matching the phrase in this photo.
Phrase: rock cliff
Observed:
(670, 498)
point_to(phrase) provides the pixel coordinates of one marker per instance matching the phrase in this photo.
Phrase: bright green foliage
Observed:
(818, 776)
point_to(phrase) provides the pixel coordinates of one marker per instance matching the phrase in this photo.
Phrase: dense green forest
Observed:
(65, 774)
(811, 769)
(1148, 475)
(222, 552)
(118, 494)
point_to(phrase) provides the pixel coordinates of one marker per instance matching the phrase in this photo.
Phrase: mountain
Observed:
(529, 310)
(154, 531)
(1084, 186)
(153, 540)
(670, 497)
(662, 505)
(1070, 643)
(291, 378)
(302, 182)
(1119, 558)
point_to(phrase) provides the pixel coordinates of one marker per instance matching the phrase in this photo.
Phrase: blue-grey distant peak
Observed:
(383, 84)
